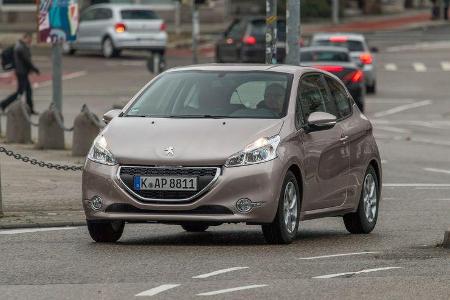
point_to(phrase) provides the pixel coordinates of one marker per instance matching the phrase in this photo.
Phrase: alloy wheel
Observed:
(370, 197)
(290, 207)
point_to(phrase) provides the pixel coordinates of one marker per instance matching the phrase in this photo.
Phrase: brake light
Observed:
(366, 58)
(331, 69)
(163, 27)
(120, 27)
(338, 39)
(250, 40)
(355, 76)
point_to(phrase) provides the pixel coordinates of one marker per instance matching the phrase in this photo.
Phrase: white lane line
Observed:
(402, 108)
(392, 129)
(437, 170)
(64, 77)
(355, 273)
(390, 67)
(445, 65)
(390, 100)
(416, 185)
(336, 255)
(31, 230)
(156, 290)
(419, 67)
(240, 288)
(219, 272)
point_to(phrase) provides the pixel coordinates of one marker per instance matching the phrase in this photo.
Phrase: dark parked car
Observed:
(337, 60)
(245, 41)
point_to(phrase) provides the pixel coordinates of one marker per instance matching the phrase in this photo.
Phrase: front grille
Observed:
(205, 176)
(201, 210)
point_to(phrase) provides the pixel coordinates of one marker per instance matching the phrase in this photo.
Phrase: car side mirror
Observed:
(107, 117)
(319, 120)
(374, 50)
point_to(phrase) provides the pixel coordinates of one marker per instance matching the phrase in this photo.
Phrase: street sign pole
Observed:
(271, 31)
(57, 74)
(1, 198)
(336, 11)
(293, 32)
(195, 32)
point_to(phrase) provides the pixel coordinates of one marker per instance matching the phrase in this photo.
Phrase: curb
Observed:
(43, 225)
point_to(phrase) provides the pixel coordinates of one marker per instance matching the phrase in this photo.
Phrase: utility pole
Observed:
(271, 31)
(57, 74)
(336, 11)
(293, 32)
(195, 31)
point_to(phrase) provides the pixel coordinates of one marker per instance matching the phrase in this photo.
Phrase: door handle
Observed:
(343, 139)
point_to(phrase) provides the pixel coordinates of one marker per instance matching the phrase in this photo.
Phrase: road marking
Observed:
(421, 46)
(355, 273)
(437, 170)
(402, 108)
(416, 185)
(232, 290)
(445, 65)
(419, 67)
(392, 129)
(64, 77)
(389, 100)
(31, 230)
(390, 67)
(336, 255)
(157, 290)
(219, 272)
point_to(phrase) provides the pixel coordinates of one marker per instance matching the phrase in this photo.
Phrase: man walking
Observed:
(446, 7)
(23, 67)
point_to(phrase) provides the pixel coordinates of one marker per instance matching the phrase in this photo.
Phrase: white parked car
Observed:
(110, 28)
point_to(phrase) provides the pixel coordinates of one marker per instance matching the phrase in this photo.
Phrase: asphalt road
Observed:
(401, 259)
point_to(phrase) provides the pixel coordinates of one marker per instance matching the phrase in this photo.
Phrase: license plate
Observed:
(165, 183)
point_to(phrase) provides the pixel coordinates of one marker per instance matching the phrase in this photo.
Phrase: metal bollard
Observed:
(18, 129)
(50, 133)
(85, 129)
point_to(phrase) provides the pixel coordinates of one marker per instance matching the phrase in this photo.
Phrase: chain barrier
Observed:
(92, 117)
(39, 163)
(58, 119)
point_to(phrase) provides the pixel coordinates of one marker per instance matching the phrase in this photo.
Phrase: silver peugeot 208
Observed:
(210, 144)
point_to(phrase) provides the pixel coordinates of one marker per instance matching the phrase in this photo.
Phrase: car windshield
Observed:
(352, 46)
(258, 29)
(215, 94)
(138, 14)
(326, 56)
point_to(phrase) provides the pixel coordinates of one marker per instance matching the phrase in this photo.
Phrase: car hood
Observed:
(195, 142)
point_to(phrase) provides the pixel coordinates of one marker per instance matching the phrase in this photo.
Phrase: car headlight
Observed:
(100, 153)
(262, 150)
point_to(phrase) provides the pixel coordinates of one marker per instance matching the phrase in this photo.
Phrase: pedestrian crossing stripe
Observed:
(418, 67)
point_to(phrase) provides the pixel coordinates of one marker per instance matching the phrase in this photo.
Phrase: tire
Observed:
(67, 49)
(108, 49)
(372, 89)
(105, 231)
(195, 227)
(279, 232)
(363, 221)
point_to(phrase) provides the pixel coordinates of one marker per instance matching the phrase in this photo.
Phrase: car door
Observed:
(85, 29)
(230, 44)
(325, 157)
(352, 132)
(103, 18)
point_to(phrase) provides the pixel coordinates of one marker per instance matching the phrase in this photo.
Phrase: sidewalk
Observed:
(39, 197)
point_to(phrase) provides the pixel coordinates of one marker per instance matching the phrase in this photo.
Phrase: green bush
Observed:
(312, 9)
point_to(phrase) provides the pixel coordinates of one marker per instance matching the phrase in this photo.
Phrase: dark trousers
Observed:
(446, 6)
(23, 86)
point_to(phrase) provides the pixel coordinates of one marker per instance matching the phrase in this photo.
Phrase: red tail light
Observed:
(355, 76)
(120, 27)
(250, 40)
(366, 58)
(331, 69)
(163, 27)
(338, 39)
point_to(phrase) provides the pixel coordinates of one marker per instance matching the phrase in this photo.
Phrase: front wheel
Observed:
(105, 231)
(365, 218)
(284, 227)
(108, 49)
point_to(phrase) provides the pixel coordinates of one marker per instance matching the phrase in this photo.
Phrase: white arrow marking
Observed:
(232, 290)
(219, 272)
(157, 290)
(355, 273)
(337, 255)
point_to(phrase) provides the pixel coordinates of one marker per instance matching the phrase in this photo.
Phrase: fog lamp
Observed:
(96, 203)
(245, 205)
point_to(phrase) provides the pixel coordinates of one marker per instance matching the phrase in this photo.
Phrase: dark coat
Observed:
(22, 59)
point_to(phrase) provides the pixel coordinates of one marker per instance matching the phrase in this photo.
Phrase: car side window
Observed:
(103, 14)
(340, 96)
(236, 30)
(88, 15)
(314, 97)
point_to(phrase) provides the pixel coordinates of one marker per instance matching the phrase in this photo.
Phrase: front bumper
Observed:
(260, 183)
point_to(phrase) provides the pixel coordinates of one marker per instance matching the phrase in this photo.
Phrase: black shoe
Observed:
(33, 112)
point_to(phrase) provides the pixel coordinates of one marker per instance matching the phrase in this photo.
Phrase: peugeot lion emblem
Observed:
(169, 151)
